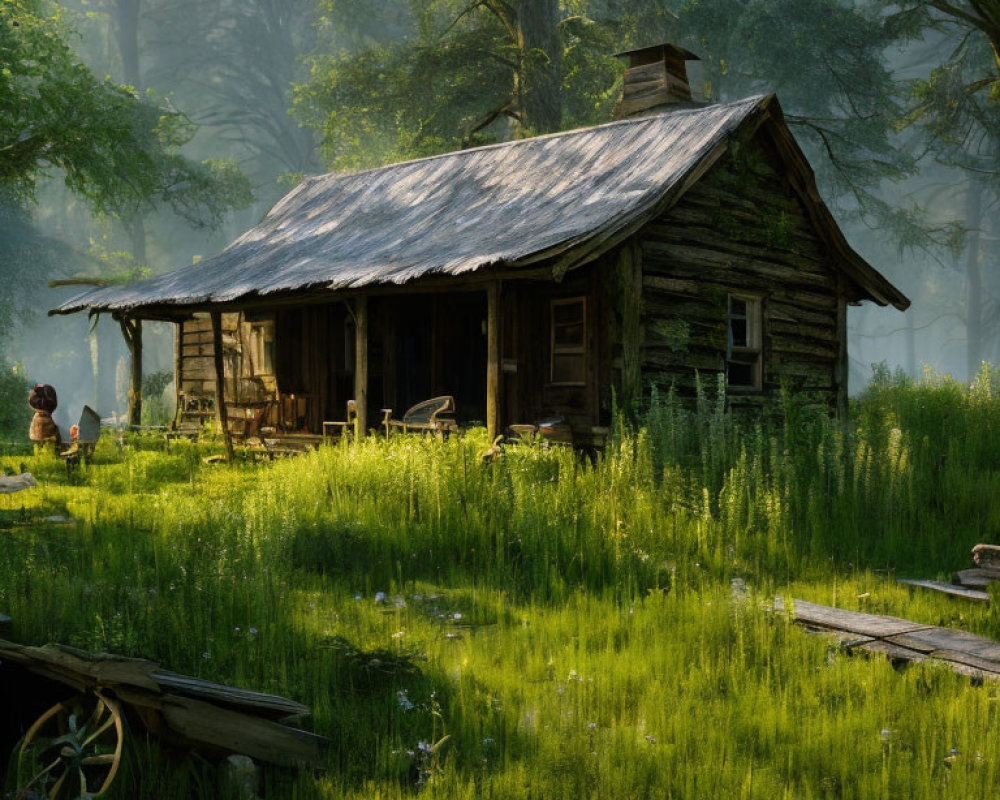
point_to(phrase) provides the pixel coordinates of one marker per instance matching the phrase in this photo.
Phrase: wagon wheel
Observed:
(74, 749)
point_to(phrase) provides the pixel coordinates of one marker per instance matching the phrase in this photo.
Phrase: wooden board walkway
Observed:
(897, 638)
(950, 588)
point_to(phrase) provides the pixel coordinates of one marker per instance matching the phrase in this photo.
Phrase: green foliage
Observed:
(459, 75)
(542, 625)
(115, 148)
(15, 415)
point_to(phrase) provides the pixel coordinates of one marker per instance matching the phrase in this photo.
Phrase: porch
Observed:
(510, 352)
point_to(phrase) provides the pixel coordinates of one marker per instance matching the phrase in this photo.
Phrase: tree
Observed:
(957, 110)
(233, 62)
(115, 148)
(460, 73)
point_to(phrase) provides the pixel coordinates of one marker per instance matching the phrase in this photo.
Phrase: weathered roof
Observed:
(499, 205)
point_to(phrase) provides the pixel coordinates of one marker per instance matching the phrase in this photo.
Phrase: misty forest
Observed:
(499, 398)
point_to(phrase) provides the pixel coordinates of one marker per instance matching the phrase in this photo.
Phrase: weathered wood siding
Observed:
(197, 353)
(740, 229)
(526, 388)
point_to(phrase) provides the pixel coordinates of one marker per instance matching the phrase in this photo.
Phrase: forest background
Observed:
(139, 135)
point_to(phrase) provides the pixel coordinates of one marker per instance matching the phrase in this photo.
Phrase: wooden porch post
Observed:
(132, 331)
(630, 296)
(178, 369)
(220, 383)
(842, 368)
(493, 360)
(361, 363)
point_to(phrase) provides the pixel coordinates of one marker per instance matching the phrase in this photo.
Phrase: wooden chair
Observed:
(88, 431)
(338, 429)
(432, 416)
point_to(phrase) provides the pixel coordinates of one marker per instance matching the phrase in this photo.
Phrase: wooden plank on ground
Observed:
(893, 651)
(950, 588)
(852, 621)
(950, 639)
(964, 652)
(977, 578)
(985, 665)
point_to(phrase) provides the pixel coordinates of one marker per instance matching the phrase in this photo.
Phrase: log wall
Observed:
(740, 229)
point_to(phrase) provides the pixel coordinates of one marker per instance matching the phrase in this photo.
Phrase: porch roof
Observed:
(503, 205)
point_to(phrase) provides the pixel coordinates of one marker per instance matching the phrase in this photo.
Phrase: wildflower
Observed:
(488, 742)
(404, 701)
(457, 615)
(379, 597)
(650, 739)
(236, 629)
(886, 734)
(399, 635)
(252, 631)
(207, 656)
(424, 747)
(399, 602)
(591, 726)
(357, 597)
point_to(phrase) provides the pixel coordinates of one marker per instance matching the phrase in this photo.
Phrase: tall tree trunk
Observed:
(538, 85)
(126, 18)
(126, 23)
(911, 345)
(973, 280)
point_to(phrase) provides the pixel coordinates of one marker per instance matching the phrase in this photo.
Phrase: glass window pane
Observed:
(741, 374)
(737, 307)
(738, 330)
(569, 335)
(567, 313)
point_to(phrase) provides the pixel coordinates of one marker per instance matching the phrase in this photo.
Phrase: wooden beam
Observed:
(132, 332)
(178, 369)
(629, 271)
(220, 383)
(361, 362)
(389, 358)
(493, 360)
(842, 367)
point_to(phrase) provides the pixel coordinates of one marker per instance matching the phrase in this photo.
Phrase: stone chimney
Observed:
(656, 79)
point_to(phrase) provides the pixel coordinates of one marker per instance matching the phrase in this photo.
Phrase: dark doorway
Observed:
(423, 346)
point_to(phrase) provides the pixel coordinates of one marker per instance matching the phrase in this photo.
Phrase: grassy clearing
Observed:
(573, 629)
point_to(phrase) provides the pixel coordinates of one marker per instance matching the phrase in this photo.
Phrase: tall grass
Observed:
(574, 628)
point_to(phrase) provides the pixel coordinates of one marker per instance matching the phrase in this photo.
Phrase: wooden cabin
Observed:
(532, 279)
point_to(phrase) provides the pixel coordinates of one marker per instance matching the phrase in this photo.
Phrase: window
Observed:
(744, 350)
(569, 342)
(262, 347)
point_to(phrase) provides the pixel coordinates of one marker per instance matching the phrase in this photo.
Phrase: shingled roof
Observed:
(496, 206)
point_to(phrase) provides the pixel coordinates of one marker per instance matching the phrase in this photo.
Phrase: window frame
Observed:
(556, 350)
(752, 353)
(263, 337)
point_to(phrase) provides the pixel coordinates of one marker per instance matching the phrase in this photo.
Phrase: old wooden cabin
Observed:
(529, 279)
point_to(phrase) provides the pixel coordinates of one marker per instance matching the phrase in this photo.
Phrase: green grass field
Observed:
(544, 626)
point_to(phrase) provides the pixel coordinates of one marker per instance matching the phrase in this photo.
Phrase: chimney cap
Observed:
(653, 52)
